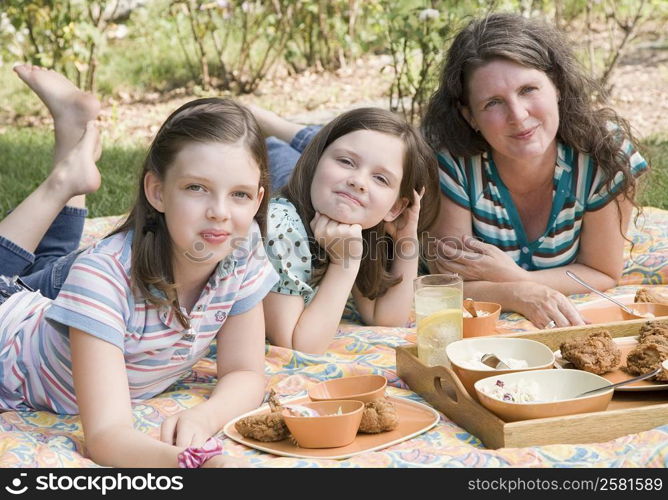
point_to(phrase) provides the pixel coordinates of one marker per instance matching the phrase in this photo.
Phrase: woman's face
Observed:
(516, 110)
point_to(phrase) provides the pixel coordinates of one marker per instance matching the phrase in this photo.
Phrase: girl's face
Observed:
(209, 196)
(358, 177)
(515, 108)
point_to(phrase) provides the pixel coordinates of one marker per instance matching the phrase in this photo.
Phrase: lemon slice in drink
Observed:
(445, 316)
(435, 332)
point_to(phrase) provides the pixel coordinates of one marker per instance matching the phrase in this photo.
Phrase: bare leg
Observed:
(74, 175)
(273, 125)
(70, 108)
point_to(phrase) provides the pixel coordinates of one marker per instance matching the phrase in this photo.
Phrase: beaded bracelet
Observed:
(193, 458)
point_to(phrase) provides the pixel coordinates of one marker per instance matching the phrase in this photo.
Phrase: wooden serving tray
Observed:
(627, 413)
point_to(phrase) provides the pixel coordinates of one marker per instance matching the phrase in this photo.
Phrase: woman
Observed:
(528, 168)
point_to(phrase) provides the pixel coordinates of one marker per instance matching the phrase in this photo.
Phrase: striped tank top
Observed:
(579, 186)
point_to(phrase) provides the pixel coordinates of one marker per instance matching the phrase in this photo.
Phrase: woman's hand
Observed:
(405, 226)
(541, 305)
(478, 261)
(342, 242)
(190, 427)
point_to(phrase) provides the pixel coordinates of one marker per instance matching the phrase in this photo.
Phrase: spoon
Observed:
(492, 361)
(605, 296)
(656, 371)
(469, 305)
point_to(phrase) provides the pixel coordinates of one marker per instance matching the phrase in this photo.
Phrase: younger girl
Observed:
(361, 195)
(139, 308)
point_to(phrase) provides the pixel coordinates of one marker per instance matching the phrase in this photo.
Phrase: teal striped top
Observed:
(578, 187)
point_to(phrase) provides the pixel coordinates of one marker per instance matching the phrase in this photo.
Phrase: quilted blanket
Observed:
(42, 439)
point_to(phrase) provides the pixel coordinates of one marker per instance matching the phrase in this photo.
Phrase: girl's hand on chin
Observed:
(342, 242)
(405, 226)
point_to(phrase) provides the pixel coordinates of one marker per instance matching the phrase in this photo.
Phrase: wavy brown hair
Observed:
(419, 170)
(210, 120)
(583, 124)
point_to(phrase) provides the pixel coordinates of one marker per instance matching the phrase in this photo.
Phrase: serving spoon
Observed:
(493, 361)
(469, 305)
(656, 371)
(605, 296)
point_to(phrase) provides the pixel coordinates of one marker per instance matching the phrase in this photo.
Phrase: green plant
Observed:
(327, 34)
(63, 35)
(417, 38)
(233, 43)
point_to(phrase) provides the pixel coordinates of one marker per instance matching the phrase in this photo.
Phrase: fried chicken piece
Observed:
(595, 353)
(266, 427)
(274, 402)
(650, 295)
(379, 416)
(647, 357)
(653, 329)
(655, 339)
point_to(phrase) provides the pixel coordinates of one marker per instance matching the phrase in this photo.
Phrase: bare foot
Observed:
(68, 105)
(77, 173)
(274, 125)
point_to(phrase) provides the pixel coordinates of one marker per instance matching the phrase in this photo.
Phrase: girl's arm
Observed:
(311, 329)
(240, 387)
(103, 397)
(393, 308)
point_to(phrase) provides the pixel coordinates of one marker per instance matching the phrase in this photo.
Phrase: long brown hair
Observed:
(598, 131)
(419, 170)
(210, 120)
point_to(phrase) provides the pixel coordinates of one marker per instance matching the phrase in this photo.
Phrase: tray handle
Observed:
(448, 386)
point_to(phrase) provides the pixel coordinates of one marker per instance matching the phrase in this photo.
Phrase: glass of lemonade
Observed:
(438, 315)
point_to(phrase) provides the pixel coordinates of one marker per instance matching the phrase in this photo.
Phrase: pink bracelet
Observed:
(193, 458)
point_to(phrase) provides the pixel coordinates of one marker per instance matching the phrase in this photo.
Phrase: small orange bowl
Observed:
(482, 325)
(365, 388)
(646, 308)
(329, 430)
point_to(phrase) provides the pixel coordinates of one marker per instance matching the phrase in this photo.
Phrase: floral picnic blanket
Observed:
(42, 439)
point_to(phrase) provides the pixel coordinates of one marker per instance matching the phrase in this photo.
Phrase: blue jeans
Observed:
(283, 156)
(47, 268)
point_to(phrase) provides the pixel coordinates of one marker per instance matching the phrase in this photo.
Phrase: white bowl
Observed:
(555, 396)
(537, 355)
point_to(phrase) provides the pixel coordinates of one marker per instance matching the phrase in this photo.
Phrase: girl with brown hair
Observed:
(139, 308)
(528, 166)
(350, 218)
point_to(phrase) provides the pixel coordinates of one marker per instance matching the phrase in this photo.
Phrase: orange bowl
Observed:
(365, 388)
(329, 430)
(642, 308)
(463, 352)
(482, 325)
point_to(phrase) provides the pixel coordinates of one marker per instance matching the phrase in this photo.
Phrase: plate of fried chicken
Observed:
(617, 359)
(385, 422)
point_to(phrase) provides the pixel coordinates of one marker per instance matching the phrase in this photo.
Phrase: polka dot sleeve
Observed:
(288, 250)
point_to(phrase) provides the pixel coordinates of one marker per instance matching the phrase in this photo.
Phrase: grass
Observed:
(653, 190)
(26, 159)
